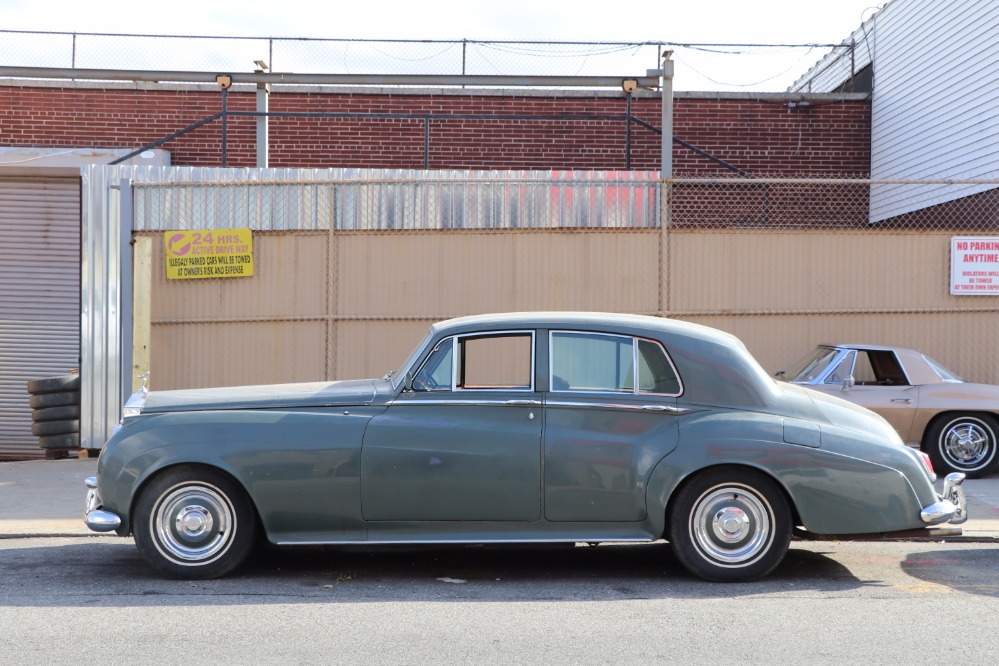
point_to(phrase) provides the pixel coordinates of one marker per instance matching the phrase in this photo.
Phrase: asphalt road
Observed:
(91, 599)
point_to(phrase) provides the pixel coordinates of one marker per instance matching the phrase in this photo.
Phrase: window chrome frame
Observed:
(634, 360)
(457, 337)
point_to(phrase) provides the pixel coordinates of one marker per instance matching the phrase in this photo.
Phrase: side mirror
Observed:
(849, 383)
(407, 383)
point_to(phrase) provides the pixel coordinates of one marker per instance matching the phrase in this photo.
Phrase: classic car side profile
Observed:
(930, 407)
(518, 428)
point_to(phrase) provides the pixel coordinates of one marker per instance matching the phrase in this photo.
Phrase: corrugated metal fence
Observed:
(350, 267)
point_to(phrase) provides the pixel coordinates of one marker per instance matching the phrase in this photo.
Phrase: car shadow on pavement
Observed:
(971, 571)
(105, 571)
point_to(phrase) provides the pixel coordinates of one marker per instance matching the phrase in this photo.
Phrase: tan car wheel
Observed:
(963, 443)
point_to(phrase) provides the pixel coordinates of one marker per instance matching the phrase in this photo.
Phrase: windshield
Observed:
(809, 368)
(944, 373)
(397, 376)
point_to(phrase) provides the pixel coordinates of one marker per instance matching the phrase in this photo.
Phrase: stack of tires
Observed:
(55, 414)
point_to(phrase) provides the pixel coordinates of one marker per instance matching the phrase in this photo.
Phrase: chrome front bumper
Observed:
(952, 507)
(94, 514)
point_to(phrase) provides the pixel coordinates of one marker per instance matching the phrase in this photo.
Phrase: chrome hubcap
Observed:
(731, 524)
(966, 444)
(194, 523)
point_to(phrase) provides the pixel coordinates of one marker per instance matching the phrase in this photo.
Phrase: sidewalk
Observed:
(45, 498)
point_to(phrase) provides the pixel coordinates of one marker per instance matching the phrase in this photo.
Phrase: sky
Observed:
(763, 22)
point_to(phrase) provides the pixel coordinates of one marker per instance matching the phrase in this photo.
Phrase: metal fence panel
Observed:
(351, 266)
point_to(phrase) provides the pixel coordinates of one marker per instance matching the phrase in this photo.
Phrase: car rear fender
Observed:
(829, 492)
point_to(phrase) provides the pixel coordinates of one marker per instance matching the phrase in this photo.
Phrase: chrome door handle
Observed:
(906, 401)
(523, 403)
(664, 408)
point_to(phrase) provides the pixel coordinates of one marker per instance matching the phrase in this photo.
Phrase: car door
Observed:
(878, 383)
(605, 431)
(463, 441)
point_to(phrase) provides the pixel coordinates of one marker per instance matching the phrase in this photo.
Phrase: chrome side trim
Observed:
(410, 402)
(383, 542)
(617, 405)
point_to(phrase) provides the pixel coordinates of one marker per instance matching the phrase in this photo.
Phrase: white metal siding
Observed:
(934, 109)
(39, 296)
(935, 105)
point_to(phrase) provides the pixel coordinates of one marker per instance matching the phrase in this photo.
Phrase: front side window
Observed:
(607, 363)
(502, 361)
(478, 362)
(435, 375)
(843, 371)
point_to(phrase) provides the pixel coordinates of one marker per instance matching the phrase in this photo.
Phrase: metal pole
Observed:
(426, 143)
(263, 127)
(627, 134)
(225, 125)
(125, 285)
(667, 122)
(666, 194)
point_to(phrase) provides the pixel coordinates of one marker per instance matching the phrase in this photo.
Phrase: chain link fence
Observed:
(348, 274)
(700, 67)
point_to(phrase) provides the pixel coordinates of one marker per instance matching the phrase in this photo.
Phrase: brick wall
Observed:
(758, 135)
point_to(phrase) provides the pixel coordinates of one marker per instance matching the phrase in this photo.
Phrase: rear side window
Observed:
(607, 363)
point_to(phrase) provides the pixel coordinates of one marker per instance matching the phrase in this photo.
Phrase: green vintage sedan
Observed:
(518, 428)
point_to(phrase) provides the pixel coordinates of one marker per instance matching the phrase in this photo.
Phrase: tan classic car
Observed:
(954, 421)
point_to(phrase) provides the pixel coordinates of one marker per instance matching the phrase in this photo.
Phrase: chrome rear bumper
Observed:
(94, 514)
(952, 507)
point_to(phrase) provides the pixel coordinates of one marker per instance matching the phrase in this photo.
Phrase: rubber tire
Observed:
(56, 384)
(49, 428)
(59, 413)
(933, 444)
(67, 441)
(205, 487)
(59, 399)
(765, 496)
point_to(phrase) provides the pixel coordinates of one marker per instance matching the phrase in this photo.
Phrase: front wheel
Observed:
(963, 443)
(730, 525)
(194, 523)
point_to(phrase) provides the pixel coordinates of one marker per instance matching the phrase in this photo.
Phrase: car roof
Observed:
(570, 319)
(869, 347)
(913, 361)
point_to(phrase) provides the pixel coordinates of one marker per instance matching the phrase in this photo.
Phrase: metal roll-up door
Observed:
(39, 297)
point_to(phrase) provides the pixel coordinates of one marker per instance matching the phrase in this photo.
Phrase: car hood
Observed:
(314, 394)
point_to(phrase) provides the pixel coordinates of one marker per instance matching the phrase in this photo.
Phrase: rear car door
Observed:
(610, 417)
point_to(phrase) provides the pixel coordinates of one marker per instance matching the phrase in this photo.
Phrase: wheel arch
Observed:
(735, 468)
(143, 483)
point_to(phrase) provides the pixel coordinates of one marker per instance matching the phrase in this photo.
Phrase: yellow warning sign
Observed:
(214, 253)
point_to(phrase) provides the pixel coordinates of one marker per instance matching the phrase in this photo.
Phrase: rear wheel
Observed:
(730, 524)
(193, 522)
(963, 443)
